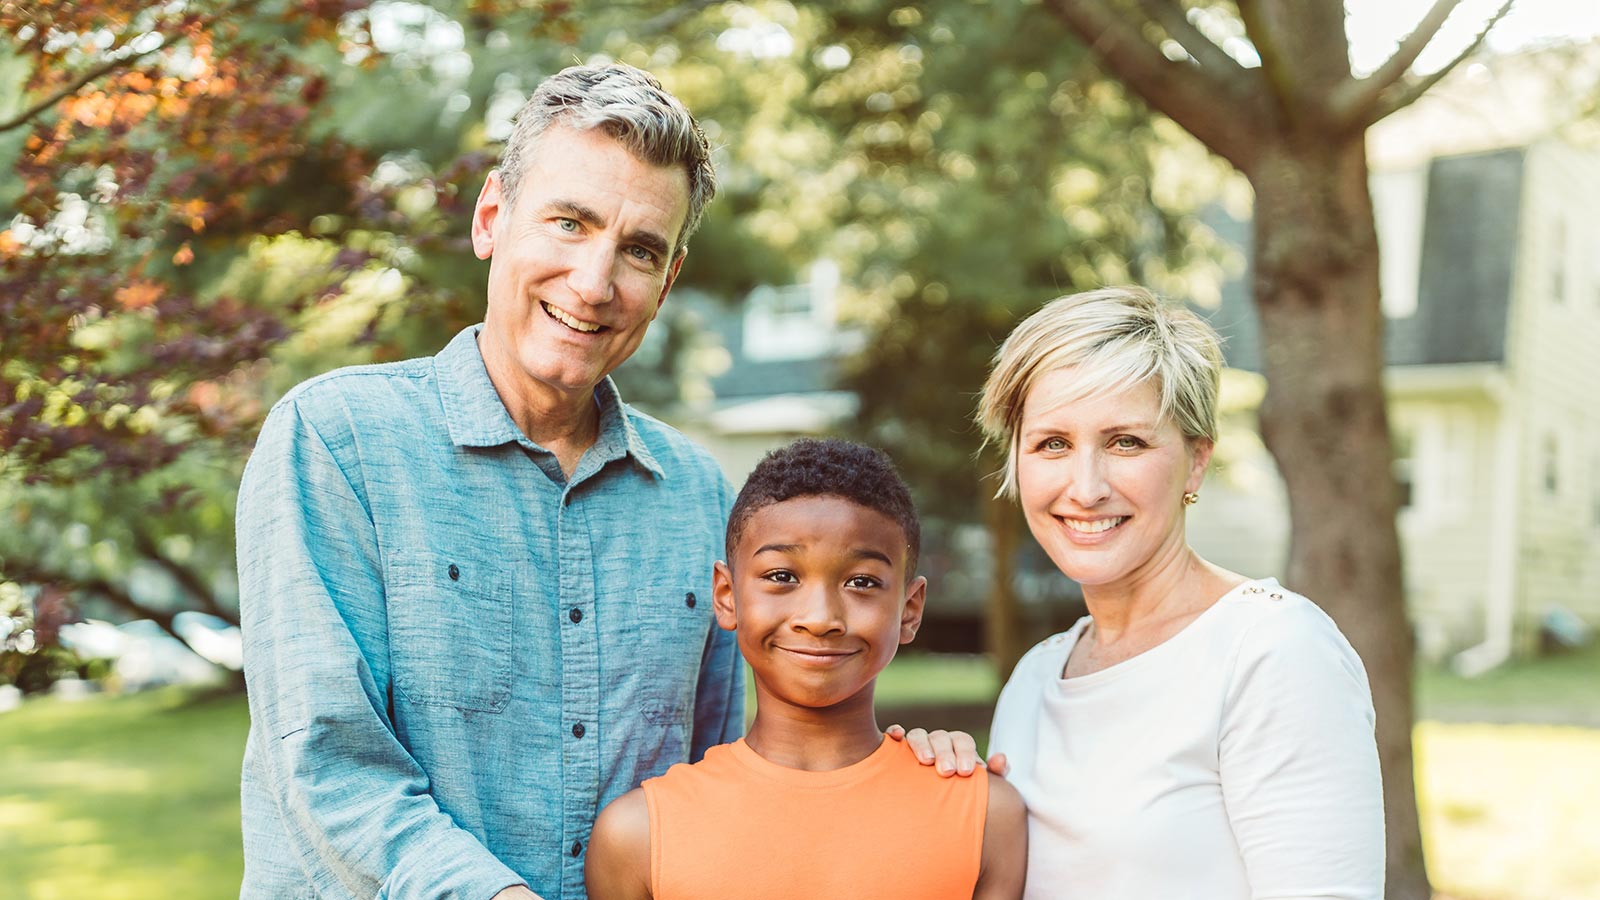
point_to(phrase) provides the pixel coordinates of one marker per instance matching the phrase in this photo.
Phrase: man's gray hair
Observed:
(631, 106)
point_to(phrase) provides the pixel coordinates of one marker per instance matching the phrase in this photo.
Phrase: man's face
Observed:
(578, 266)
(819, 595)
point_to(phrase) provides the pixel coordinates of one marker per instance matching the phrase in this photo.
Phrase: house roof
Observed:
(1469, 243)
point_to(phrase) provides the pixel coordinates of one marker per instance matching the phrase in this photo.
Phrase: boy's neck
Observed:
(814, 740)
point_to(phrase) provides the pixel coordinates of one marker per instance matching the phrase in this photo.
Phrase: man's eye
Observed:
(568, 225)
(641, 254)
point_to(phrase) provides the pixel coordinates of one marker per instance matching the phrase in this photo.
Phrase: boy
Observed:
(819, 587)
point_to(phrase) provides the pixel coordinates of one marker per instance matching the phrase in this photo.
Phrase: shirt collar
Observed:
(476, 417)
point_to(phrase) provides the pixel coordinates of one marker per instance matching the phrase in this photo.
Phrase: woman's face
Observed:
(1101, 479)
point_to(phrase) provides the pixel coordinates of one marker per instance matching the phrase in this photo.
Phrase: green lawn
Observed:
(137, 797)
(121, 798)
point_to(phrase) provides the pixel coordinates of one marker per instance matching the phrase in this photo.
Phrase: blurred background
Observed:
(208, 201)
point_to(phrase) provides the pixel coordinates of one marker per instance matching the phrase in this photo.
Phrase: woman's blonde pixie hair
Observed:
(1117, 337)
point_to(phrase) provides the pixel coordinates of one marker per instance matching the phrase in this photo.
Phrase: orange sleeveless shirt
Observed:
(735, 825)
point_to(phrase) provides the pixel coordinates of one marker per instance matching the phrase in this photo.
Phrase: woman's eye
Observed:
(1126, 442)
(1054, 444)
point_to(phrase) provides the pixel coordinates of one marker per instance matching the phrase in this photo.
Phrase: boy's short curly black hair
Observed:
(828, 468)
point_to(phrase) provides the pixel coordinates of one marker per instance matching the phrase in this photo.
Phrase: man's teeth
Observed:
(1095, 527)
(570, 322)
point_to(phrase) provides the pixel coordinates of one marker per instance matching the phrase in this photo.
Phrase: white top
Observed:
(1235, 760)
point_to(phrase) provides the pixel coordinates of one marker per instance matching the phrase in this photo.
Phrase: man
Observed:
(475, 588)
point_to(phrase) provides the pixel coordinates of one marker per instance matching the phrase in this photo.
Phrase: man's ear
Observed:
(722, 596)
(484, 215)
(672, 276)
(911, 613)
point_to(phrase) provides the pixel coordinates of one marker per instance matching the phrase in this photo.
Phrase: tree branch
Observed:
(94, 74)
(186, 578)
(1401, 95)
(29, 573)
(1194, 98)
(1279, 75)
(1170, 16)
(121, 62)
(1352, 101)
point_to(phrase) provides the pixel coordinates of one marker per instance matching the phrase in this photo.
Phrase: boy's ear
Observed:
(911, 613)
(722, 595)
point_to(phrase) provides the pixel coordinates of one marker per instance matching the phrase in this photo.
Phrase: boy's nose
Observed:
(822, 612)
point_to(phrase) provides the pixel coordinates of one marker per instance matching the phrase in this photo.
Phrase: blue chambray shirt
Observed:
(455, 655)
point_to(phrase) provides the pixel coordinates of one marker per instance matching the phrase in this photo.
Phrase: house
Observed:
(1485, 193)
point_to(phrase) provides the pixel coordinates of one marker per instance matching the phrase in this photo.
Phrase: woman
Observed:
(1198, 734)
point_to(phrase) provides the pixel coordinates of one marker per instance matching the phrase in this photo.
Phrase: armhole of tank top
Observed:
(983, 822)
(651, 807)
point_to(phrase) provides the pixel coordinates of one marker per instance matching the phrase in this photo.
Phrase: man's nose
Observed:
(590, 276)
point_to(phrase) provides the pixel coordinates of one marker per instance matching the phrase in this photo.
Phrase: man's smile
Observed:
(571, 321)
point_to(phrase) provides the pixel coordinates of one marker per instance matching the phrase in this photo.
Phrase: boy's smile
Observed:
(818, 592)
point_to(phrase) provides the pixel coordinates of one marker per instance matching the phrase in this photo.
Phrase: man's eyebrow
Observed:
(649, 240)
(585, 214)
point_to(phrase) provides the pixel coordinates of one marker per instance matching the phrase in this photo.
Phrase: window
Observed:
(1404, 461)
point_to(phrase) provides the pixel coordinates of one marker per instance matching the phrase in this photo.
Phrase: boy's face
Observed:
(817, 590)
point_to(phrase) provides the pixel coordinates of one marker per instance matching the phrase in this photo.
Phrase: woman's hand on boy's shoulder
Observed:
(950, 752)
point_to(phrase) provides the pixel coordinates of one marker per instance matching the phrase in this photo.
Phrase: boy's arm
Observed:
(1005, 844)
(618, 864)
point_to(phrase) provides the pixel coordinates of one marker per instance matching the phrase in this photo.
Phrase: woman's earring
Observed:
(1190, 498)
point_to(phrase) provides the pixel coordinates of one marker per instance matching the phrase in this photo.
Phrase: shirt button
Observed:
(577, 847)
(688, 599)
(577, 732)
(455, 573)
(576, 615)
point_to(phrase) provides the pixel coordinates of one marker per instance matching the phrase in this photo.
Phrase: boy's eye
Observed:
(863, 582)
(780, 576)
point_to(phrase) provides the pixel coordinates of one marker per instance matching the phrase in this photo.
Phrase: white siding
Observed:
(1557, 383)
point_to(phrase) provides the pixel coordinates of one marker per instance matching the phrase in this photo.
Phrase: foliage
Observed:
(215, 200)
(985, 167)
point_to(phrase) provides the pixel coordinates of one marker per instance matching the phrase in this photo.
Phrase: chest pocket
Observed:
(452, 624)
(674, 617)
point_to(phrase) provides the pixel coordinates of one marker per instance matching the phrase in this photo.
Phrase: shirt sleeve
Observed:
(719, 695)
(1299, 764)
(354, 804)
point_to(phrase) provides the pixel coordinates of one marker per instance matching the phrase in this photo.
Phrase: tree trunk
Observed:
(1003, 633)
(1324, 420)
